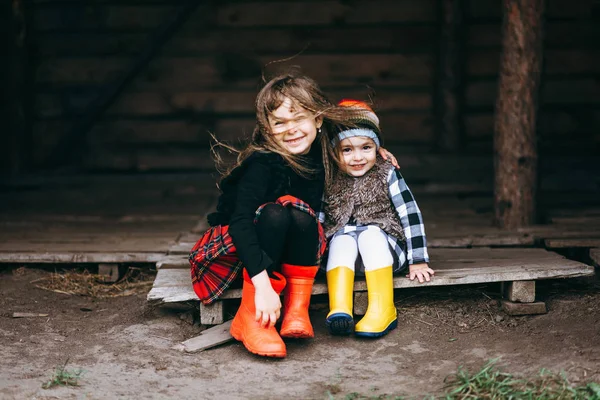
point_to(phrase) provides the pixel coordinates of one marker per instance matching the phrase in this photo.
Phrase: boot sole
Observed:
(390, 327)
(297, 335)
(340, 324)
(236, 334)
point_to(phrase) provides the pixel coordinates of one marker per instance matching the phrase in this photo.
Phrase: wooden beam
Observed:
(71, 144)
(211, 337)
(515, 149)
(449, 101)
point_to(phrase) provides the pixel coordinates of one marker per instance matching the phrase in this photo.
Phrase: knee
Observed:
(302, 221)
(372, 236)
(343, 243)
(274, 215)
(374, 249)
(343, 251)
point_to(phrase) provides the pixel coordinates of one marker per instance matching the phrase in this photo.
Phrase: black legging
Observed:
(288, 235)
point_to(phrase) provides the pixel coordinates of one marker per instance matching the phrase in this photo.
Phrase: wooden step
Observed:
(452, 266)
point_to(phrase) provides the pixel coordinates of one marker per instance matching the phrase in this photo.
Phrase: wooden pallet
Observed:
(452, 266)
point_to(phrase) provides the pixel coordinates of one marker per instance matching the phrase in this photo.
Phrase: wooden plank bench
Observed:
(519, 268)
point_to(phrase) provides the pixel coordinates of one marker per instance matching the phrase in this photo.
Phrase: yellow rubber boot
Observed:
(380, 317)
(340, 285)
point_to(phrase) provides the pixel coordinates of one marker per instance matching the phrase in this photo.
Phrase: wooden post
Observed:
(515, 149)
(449, 101)
(15, 81)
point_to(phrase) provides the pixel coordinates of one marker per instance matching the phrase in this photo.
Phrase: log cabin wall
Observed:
(207, 75)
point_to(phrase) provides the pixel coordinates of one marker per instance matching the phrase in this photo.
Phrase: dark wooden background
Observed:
(206, 76)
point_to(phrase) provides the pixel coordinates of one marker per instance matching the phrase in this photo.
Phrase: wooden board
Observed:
(572, 242)
(557, 34)
(563, 91)
(559, 124)
(211, 337)
(230, 102)
(193, 40)
(557, 9)
(327, 12)
(185, 73)
(130, 17)
(483, 63)
(57, 257)
(452, 266)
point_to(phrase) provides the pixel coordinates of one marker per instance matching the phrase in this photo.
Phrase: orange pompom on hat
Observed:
(366, 121)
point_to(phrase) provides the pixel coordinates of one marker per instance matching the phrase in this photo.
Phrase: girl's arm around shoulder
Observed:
(410, 217)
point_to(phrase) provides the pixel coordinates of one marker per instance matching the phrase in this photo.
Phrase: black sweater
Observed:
(262, 178)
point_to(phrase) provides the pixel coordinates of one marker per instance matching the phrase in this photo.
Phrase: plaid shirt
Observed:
(410, 217)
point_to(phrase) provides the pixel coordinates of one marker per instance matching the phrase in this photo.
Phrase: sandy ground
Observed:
(125, 349)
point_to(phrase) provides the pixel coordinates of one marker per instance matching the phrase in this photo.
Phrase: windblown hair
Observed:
(306, 93)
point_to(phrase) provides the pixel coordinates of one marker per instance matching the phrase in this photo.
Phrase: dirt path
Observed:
(124, 346)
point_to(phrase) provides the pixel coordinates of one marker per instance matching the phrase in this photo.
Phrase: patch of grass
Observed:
(491, 383)
(64, 377)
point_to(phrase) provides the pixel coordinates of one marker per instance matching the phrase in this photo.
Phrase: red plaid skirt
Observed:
(214, 259)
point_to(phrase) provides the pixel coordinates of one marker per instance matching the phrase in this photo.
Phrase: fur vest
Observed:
(362, 201)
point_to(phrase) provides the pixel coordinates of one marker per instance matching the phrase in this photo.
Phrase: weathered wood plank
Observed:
(99, 16)
(557, 124)
(280, 13)
(135, 137)
(557, 34)
(520, 291)
(27, 315)
(173, 262)
(107, 246)
(209, 338)
(511, 308)
(234, 14)
(572, 242)
(554, 92)
(499, 239)
(453, 267)
(110, 272)
(212, 314)
(482, 63)
(170, 103)
(562, 9)
(203, 72)
(181, 248)
(79, 257)
(262, 40)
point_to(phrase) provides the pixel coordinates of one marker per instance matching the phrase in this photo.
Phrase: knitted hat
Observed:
(367, 122)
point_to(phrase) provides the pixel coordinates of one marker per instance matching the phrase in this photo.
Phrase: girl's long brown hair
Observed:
(305, 92)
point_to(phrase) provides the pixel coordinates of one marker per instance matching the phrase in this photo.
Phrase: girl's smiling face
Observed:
(293, 127)
(358, 155)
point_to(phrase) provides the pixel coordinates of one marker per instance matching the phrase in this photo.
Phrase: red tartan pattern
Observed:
(214, 261)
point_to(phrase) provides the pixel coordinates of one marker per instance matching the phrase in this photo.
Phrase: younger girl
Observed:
(372, 217)
(265, 221)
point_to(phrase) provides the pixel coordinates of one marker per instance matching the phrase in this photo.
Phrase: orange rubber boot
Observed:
(258, 340)
(296, 299)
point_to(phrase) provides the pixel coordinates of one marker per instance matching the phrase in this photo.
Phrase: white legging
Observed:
(372, 244)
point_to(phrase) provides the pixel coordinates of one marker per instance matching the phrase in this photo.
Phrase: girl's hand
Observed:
(266, 301)
(387, 155)
(420, 271)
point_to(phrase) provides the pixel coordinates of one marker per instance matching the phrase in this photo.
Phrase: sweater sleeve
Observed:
(252, 188)
(410, 218)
